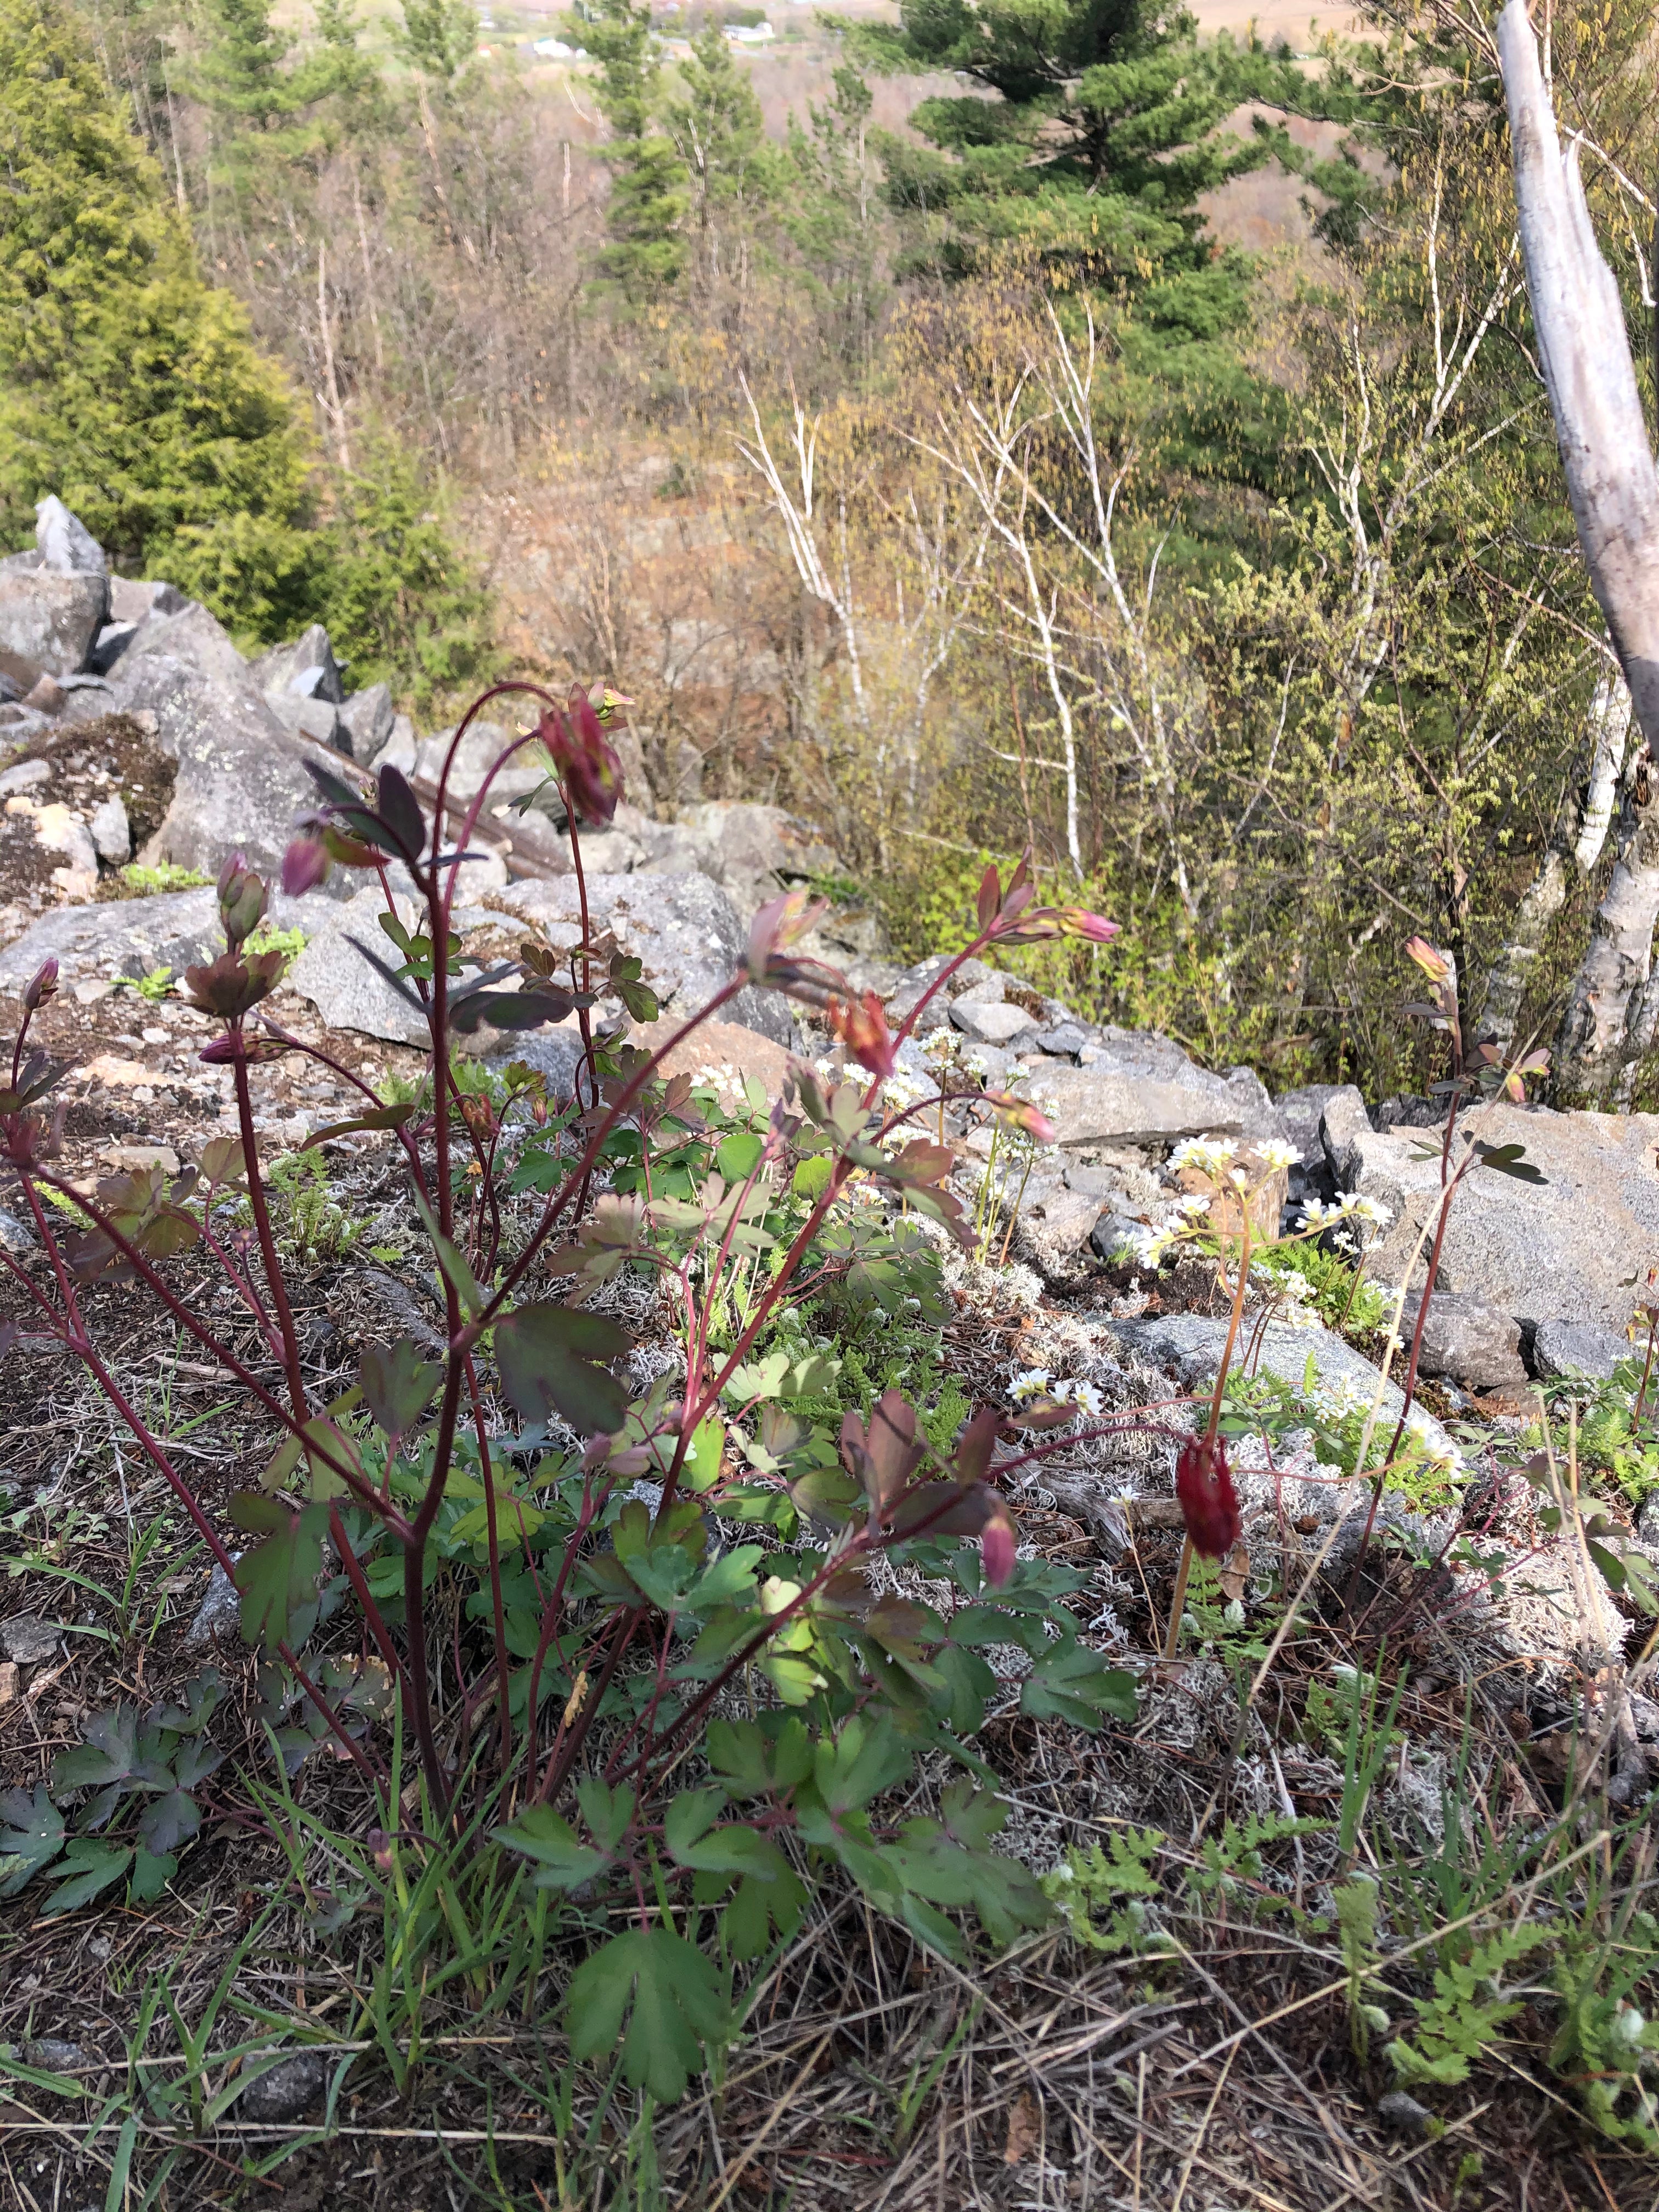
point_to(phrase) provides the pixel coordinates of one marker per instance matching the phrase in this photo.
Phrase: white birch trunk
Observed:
(1614, 490)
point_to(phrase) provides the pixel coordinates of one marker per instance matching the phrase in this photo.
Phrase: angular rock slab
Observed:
(1566, 1250)
(128, 937)
(1141, 1089)
(50, 620)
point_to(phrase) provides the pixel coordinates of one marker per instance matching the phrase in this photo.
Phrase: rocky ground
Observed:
(143, 750)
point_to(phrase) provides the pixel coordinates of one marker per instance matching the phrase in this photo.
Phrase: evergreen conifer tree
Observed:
(127, 385)
(650, 192)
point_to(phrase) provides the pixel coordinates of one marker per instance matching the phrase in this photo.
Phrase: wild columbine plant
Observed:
(610, 1624)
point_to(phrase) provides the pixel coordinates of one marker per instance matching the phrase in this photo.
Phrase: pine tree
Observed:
(1102, 132)
(649, 189)
(127, 385)
(714, 121)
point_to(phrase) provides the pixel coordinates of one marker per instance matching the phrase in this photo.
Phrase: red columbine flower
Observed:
(305, 865)
(584, 759)
(1208, 1503)
(862, 1028)
(42, 986)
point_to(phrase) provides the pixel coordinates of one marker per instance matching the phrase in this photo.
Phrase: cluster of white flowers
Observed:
(1194, 1206)
(1350, 1207)
(1036, 1382)
(941, 1045)
(902, 1091)
(1276, 1155)
(1155, 1244)
(1209, 1155)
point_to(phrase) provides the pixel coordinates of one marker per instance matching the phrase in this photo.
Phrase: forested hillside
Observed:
(881, 405)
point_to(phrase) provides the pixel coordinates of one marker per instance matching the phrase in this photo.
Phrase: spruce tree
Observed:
(127, 385)
(645, 255)
(1102, 131)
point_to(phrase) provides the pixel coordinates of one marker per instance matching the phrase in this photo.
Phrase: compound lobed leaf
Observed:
(32, 1834)
(1069, 1682)
(547, 1355)
(399, 1385)
(277, 1576)
(673, 1997)
(561, 1859)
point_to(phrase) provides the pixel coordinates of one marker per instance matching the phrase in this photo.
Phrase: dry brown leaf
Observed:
(1024, 2128)
(1234, 1576)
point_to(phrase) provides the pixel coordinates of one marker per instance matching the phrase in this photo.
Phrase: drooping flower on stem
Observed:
(1205, 1492)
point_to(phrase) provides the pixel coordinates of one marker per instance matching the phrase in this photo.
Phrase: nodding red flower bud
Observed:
(1204, 1491)
(241, 899)
(583, 759)
(996, 1549)
(42, 986)
(305, 865)
(861, 1025)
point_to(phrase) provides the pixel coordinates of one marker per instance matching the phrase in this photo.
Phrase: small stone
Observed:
(1468, 1339)
(1403, 2113)
(55, 2054)
(220, 1611)
(16, 1235)
(993, 1023)
(47, 697)
(1065, 1041)
(28, 1639)
(111, 832)
(23, 775)
(90, 991)
(1113, 1232)
(287, 2090)
(137, 1160)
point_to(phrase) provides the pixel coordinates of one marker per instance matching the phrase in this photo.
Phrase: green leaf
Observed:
(563, 1861)
(739, 1155)
(866, 1759)
(33, 1835)
(1509, 1160)
(169, 1821)
(375, 1117)
(812, 1178)
(606, 1811)
(762, 1910)
(90, 1868)
(673, 1999)
(277, 1576)
(109, 1754)
(151, 1873)
(399, 1385)
(752, 1765)
(547, 1355)
(693, 1840)
(1069, 1682)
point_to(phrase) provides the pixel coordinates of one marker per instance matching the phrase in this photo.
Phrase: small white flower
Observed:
(1154, 1245)
(1033, 1384)
(1192, 1205)
(1083, 1395)
(1370, 1209)
(1315, 1214)
(1238, 1178)
(1278, 1155)
(1210, 1155)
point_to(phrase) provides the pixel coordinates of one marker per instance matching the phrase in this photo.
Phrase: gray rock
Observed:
(908, 992)
(555, 1052)
(1301, 1111)
(219, 1612)
(1102, 1184)
(1113, 1231)
(111, 832)
(128, 937)
(16, 1235)
(1343, 1122)
(60, 832)
(1566, 1347)
(27, 1640)
(346, 991)
(1403, 2113)
(1565, 1249)
(1466, 1339)
(242, 780)
(67, 547)
(285, 2090)
(1190, 1346)
(55, 2054)
(50, 620)
(367, 720)
(306, 667)
(682, 928)
(756, 851)
(1065, 1040)
(302, 716)
(989, 1022)
(1141, 1089)
(23, 775)
(131, 600)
